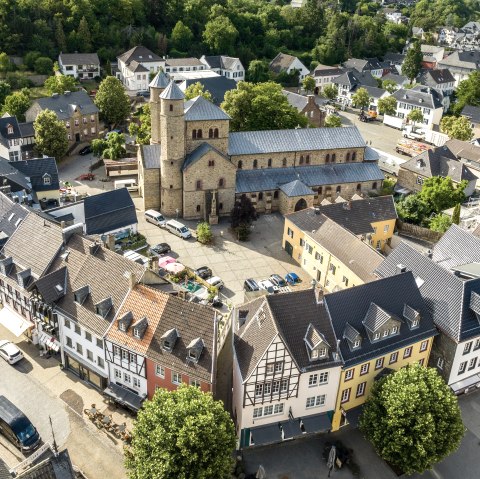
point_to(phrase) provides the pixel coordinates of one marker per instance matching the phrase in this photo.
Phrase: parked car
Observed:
(10, 352)
(204, 272)
(292, 278)
(144, 93)
(268, 286)
(160, 248)
(216, 282)
(277, 280)
(250, 285)
(85, 150)
(178, 229)
(155, 218)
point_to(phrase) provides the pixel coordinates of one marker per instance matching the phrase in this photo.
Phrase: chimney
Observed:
(93, 247)
(429, 253)
(311, 100)
(347, 205)
(316, 209)
(132, 281)
(153, 264)
(110, 242)
(401, 268)
(62, 225)
(69, 231)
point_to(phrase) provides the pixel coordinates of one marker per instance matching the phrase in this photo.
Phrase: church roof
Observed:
(198, 153)
(296, 188)
(172, 92)
(201, 109)
(160, 81)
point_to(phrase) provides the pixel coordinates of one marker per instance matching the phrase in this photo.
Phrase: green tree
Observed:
(50, 135)
(204, 233)
(440, 223)
(387, 105)
(143, 130)
(333, 121)
(468, 92)
(412, 419)
(30, 58)
(5, 64)
(181, 37)
(361, 98)
(17, 104)
(5, 90)
(331, 91)
(181, 434)
(60, 84)
(43, 66)
(197, 89)
(112, 101)
(389, 85)
(261, 106)
(413, 209)
(60, 35)
(220, 35)
(115, 147)
(456, 214)
(459, 128)
(441, 193)
(99, 145)
(413, 62)
(257, 71)
(83, 33)
(243, 214)
(308, 84)
(415, 116)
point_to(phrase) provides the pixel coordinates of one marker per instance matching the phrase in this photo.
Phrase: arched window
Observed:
(215, 133)
(240, 164)
(255, 163)
(334, 157)
(339, 189)
(354, 156)
(199, 184)
(210, 133)
(221, 183)
(284, 162)
(211, 162)
(275, 195)
(347, 158)
(327, 158)
(198, 208)
(269, 162)
(301, 160)
(359, 186)
(320, 190)
(199, 133)
(194, 134)
(374, 185)
(260, 196)
(307, 159)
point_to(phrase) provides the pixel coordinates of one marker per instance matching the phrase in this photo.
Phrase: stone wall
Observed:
(408, 179)
(220, 143)
(443, 347)
(287, 204)
(148, 185)
(419, 232)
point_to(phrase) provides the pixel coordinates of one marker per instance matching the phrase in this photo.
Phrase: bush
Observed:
(204, 233)
(43, 65)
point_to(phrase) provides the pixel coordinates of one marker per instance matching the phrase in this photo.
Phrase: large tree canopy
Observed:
(50, 135)
(412, 419)
(112, 101)
(182, 434)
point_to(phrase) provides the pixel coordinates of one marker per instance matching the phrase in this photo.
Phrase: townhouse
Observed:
(83, 66)
(441, 81)
(226, 66)
(350, 81)
(306, 105)
(333, 256)
(449, 282)
(370, 65)
(135, 66)
(324, 76)
(286, 368)
(468, 154)
(473, 114)
(461, 64)
(381, 327)
(16, 139)
(288, 64)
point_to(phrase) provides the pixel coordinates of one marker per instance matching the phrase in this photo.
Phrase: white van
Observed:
(156, 218)
(131, 185)
(178, 229)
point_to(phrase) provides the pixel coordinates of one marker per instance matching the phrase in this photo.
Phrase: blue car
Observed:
(292, 278)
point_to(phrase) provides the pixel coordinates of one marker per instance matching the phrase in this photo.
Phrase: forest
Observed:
(325, 31)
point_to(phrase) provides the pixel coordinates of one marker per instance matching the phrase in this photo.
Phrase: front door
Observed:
(77, 137)
(288, 248)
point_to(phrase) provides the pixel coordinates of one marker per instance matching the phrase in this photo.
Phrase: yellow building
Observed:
(330, 254)
(381, 327)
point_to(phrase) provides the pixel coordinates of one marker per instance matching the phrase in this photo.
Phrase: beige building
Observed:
(199, 167)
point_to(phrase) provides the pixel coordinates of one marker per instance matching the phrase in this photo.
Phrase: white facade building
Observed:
(83, 66)
(288, 63)
(135, 67)
(228, 67)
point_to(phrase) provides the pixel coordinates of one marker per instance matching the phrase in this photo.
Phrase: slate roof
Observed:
(36, 169)
(289, 316)
(374, 91)
(220, 61)
(301, 139)
(48, 242)
(79, 59)
(355, 78)
(281, 62)
(151, 156)
(198, 153)
(398, 79)
(446, 295)
(438, 162)
(464, 150)
(391, 294)
(199, 108)
(137, 67)
(325, 70)
(420, 96)
(394, 58)
(13, 175)
(469, 60)
(109, 211)
(367, 64)
(47, 285)
(217, 86)
(161, 80)
(178, 62)
(26, 129)
(11, 214)
(54, 467)
(472, 112)
(4, 135)
(139, 54)
(296, 188)
(433, 78)
(268, 179)
(64, 105)
(104, 272)
(375, 318)
(172, 92)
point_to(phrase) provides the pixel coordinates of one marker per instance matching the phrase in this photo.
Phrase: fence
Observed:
(415, 231)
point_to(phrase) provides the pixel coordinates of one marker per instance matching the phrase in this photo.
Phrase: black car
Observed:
(85, 150)
(160, 248)
(204, 272)
(250, 285)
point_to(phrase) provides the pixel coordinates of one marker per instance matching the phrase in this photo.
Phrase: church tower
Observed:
(172, 156)
(157, 85)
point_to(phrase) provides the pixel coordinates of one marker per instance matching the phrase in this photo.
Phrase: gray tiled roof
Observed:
(54, 467)
(351, 306)
(13, 175)
(137, 67)
(419, 96)
(296, 188)
(172, 92)
(266, 179)
(178, 62)
(354, 78)
(151, 156)
(36, 169)
(109, 211)
(472, 112)
(161, 80)
(464, 150)
(79, 59)
(433, 78)
(199, 108)
(4, 135)
(398, 79)
(363, 65)
(469, 60)
(10, 214)
(220, 61)
(325, 70)
(446, 295)
(281, 62)
(64, 105)
(47, 285)
(198, 153)
(370, 154)
(394, 58)
(216, 86)
(140, 54)
(26, 129)
(374, 91)
(296, 100)
(300, 139)
(375, 317)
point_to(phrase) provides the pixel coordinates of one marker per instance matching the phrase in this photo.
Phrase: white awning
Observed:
(14, 322)
(49, 341)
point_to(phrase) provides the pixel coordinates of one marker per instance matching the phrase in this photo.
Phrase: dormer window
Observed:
(136, 332)
(415, 323)
(9, 129)
(378, 322)
(376, 336)
(122, 327)
(103, 307)
(395, 330)
(80, 295)
(412, 316)
(140, 327)
(385, 333)
(356, 344)
(317, 346)
(194, 350)
(47, 179)
(124, 321)
(169, 339)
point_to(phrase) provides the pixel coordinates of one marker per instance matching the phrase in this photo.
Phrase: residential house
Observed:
(375, 94)
(395, 60)
(228, 67)
(298, 3)
(288, 64)
(11, 215)
(418, 32)
(450, 285)
(332, 255)
(306, 105)
(16, 139)
(83, 66)
(371, 65)
(446, 35)
(392, 15)
(285, 368)
(468, 154)
(350, 81)
(432, 55)
(441, 81)
(399, 80)
(76, 109)
(324, 76)
(381, 327)
(438, 161)
(473, 114)
(216, 85)
(422, 98)
(461, 64)
(135, 66)
(27, 134)
(179, 68)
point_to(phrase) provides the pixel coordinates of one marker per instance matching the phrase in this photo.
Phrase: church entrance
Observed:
(301, 205)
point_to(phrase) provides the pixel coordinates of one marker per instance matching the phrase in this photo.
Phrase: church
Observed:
(195, 167)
